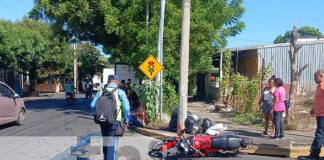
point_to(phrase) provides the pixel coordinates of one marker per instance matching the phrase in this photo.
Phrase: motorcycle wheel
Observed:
(70, 101)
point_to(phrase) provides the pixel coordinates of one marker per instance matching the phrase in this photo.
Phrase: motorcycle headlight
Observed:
(183, 147)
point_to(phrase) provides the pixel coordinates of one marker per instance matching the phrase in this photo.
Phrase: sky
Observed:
(264, 19)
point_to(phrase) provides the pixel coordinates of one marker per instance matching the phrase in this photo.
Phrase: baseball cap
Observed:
(113, 77)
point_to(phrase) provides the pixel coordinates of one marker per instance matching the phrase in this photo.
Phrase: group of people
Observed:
(273, 103)
(130, 93)
(274, 107)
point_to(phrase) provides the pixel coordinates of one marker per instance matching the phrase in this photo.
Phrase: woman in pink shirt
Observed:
(318, 111)
(278, 108)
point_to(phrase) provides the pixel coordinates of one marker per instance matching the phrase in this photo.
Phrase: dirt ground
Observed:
(301, 110)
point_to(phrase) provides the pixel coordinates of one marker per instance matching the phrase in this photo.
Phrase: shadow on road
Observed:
(4, 126)
(80, 106)
(170, 156)
(245, 133)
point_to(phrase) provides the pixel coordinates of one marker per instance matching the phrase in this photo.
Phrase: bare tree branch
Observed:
(302, 69)
(298, 47)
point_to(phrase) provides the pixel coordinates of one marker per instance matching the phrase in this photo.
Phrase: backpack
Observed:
(106, 108)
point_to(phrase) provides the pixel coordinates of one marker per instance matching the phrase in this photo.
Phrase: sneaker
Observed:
(274, 137)
(281, 137)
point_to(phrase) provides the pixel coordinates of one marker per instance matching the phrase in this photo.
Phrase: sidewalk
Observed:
(295, 144)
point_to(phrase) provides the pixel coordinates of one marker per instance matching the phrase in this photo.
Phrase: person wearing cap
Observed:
(110, 144)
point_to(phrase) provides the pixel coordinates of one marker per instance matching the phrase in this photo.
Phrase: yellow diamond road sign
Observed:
(151, 67)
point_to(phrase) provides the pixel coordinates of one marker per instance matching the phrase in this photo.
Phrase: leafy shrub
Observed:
(149, 96)
(170, 98)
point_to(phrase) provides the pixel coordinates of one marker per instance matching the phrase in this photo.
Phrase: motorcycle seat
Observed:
(226, 142)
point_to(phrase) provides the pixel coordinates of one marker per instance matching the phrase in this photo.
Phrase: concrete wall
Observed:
(46, 88)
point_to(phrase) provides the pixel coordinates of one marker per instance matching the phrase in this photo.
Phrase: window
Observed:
(5, 92)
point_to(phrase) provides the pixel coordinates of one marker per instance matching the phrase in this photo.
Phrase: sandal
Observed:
(264, 134)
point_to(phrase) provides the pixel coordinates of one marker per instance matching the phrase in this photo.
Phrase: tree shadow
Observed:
(246, 133)
(80, 106)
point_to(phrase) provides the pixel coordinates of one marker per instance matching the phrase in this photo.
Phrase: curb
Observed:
(291, 152)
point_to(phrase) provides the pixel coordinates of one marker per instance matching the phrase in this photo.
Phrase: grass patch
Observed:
(158, 124)
(250, 119)
(291, 126)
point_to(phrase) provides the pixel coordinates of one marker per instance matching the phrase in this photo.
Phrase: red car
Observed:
(12, 107)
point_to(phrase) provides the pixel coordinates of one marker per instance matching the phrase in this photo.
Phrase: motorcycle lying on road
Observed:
(201, 145)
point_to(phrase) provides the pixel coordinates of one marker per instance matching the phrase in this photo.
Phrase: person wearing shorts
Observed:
(267, 102)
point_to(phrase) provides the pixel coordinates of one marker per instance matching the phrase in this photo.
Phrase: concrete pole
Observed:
(160, 56)
(221, 66)
(184, 63)
(75, 67)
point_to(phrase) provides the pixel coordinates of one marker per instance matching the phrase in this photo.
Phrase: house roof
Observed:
(244, 48)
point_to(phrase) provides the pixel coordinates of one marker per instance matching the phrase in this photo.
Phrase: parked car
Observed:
(12, 107)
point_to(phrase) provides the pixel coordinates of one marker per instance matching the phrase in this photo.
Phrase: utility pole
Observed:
(184, 63)
(75, 65)
(147, 21)
(160, 55)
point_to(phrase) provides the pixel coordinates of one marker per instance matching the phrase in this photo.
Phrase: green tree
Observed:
(20, 47)
(303, 31)
(120, 27)
(90, 60)
(32, 46)
(57, 55)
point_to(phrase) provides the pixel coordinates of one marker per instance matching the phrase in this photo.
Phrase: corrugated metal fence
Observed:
(310, 53)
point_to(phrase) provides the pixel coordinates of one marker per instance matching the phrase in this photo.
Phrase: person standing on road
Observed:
(87, 87)
(318, 111)
(110, 144)
(267, 102)
(278, 109)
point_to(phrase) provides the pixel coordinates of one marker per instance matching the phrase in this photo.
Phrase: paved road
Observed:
(53, 117)
(51, 121)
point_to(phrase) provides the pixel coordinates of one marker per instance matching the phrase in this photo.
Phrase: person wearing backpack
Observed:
(112, 112)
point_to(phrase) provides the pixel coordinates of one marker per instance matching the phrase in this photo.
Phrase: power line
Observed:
(241, 39)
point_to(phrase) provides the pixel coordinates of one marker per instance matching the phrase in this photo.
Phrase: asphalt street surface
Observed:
(53, 117)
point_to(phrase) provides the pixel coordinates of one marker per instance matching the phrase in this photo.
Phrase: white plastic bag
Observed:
(211, 132)
(216, 129)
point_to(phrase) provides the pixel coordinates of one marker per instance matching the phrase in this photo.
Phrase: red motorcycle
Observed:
(201, 145)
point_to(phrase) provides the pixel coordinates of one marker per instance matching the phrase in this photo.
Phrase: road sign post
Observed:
(151, 67)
